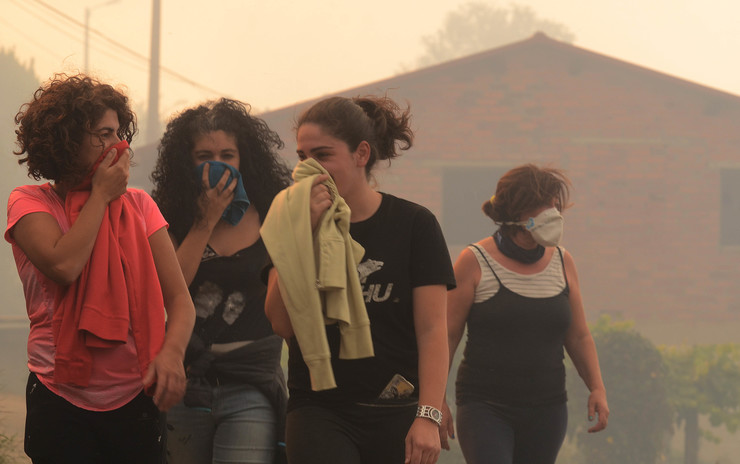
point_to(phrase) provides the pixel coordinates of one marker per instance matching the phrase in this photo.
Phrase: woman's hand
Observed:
(169, 374)
(320, 199)
(110, 180)
(422, 442)
(447, 429)
(61, 256)
(597, 406)
(216, 199)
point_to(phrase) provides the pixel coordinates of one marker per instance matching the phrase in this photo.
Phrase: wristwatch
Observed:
(429, 412)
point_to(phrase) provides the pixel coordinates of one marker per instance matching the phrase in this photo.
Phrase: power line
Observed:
(75, 37)
(29, 38)
(127, 49)
(44, 20)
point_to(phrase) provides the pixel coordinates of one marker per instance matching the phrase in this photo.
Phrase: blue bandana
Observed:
(234, 212)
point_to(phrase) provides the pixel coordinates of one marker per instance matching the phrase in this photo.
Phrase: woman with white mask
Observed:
(518, 293)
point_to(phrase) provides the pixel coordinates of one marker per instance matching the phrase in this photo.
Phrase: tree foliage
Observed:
(17, 84)
(478, 26)
(634, 374)
(703, 380)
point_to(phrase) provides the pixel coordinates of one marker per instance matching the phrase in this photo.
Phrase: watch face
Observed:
(436, 414)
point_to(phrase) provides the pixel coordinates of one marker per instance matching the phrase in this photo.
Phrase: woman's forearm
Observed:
(430, 323)
(275, 309)
(582, 352)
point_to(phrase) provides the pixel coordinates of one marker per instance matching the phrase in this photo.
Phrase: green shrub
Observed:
(640, 420)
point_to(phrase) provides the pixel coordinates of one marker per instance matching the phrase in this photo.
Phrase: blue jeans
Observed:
(501, 434)
(239, 428)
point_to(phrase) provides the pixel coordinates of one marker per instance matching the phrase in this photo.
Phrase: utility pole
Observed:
(88, 9)
(87, 38)
(152, 126)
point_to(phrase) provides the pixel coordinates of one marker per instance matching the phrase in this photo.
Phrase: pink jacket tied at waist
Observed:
(118, 289)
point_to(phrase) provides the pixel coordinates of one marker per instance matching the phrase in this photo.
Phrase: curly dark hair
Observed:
(377, 120)
(526, 188)
(52, 127)
(176, 185)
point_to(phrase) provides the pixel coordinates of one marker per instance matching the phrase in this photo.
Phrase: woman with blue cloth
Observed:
(215, 178)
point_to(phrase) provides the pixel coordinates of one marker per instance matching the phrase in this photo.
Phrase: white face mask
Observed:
(546, 228)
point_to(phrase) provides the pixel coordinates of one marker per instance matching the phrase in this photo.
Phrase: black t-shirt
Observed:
(404, 248)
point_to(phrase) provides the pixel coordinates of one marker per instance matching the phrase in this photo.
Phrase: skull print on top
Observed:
(229, 296)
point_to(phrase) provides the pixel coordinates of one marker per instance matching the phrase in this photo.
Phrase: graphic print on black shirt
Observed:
(404, 249)
(229, 296)
(373, 292)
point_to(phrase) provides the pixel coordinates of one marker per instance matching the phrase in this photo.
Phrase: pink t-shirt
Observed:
(115, 378)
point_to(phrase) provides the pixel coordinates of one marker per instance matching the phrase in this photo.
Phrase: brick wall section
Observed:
(642, 149)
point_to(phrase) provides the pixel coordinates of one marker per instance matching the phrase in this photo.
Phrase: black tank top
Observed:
(229, 296)
(514, 352)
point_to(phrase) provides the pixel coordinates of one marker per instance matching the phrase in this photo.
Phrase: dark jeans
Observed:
(61, 433)
(501, 434)
(354, 435)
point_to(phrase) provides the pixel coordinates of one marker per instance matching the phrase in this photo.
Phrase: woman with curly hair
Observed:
(215, 178)
(98, 273)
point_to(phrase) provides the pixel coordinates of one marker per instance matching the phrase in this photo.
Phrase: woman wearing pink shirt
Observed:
(101, 366)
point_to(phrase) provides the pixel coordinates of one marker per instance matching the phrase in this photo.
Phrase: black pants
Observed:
(492, 433)
(61, 433)
(354, 435)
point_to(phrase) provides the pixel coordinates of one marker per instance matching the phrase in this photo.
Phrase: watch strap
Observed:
(429, 412)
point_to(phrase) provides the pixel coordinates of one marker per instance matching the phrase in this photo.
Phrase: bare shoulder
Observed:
(567, 257)
(467, 268)
(571, 274)
(466, 259)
